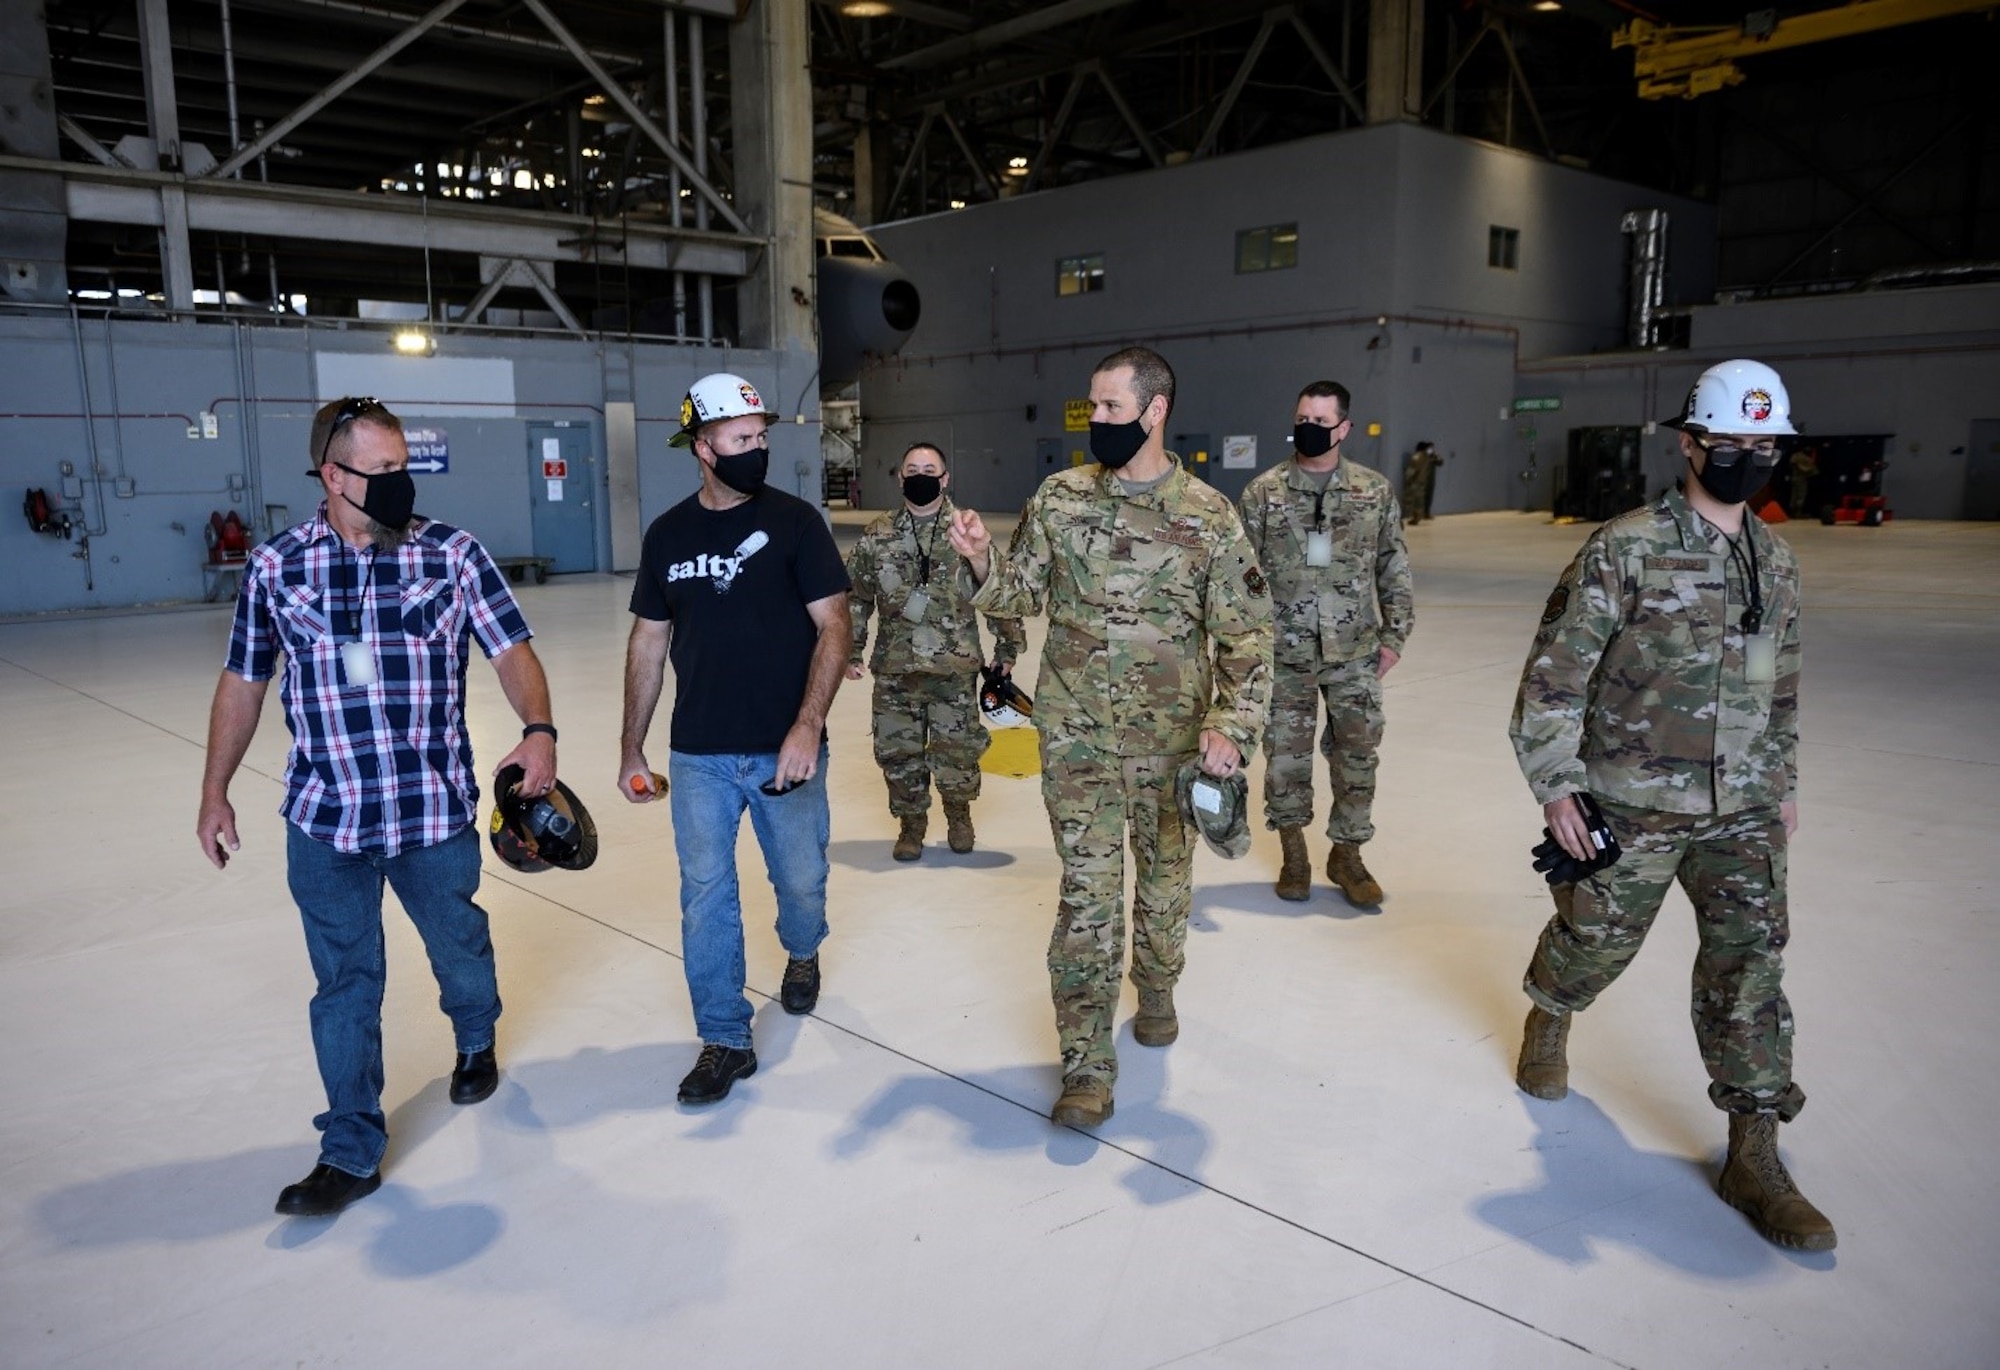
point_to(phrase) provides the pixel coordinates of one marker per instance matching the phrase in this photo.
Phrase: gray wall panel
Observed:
(167, 374)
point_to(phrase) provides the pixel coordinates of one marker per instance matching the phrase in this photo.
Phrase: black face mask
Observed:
(390, 499)
(1115, 444)
(920, 490)
(744, 472)
(1312, 440)
(1736, 482)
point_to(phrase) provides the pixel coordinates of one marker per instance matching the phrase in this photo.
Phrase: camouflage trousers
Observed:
(925, 726)
(1095, 800)
(1353, 697)
(1733, 870)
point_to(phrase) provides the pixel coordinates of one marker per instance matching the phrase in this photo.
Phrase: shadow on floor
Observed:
(1598, 1188)
(872, 855)
(1007, 1110)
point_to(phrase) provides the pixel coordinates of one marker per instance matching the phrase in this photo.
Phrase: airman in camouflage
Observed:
(927, 655)
(1420, 478)
(1330, 538)
(1664, 682)
(1158, 649)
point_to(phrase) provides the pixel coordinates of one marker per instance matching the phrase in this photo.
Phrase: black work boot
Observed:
(474, 1077)
(799, 990)
(1755, 1181)
(715, 1070)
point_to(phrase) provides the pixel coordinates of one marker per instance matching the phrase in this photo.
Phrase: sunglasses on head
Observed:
(1725, 453)
(351, 408)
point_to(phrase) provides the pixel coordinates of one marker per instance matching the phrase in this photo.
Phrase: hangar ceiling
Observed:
(1832, 161)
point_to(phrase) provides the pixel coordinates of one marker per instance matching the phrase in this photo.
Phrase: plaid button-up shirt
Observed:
(383, 766)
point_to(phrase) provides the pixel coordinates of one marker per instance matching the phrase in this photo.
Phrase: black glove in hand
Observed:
(1558, 867)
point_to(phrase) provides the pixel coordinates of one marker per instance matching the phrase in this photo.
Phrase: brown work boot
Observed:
(1344, 868)
(958, 825)
(1296, 875)
(1156, 1024)
(1544, 1068)
(910, 841)
(1754, 1180)
(1085, 1102)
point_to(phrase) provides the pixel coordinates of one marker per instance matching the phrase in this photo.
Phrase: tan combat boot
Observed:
(1085, 1102)
(910, 842)
(1344, 868)
(1754, 1180)
(1295, 876)
(1156, 1024)
(958, 825)
(1544, 1068)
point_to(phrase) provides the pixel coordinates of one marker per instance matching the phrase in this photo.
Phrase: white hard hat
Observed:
(1739, 396)
(714, 398)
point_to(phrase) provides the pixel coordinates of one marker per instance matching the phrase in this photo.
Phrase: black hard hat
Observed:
(534, 832)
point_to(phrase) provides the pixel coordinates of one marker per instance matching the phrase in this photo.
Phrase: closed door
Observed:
(1982, 471)
(562, 486)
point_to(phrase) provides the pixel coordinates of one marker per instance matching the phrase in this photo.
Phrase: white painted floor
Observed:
(1331, 1168)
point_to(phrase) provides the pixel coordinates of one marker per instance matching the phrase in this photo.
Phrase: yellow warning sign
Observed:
(1076, 416)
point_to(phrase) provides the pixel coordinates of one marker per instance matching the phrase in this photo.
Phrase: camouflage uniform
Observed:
(1332, 622)
(1159, 627)
(1420, 473)
(926, 697)
(1637, 691)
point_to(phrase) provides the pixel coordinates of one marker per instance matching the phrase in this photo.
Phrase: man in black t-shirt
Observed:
(742, 587)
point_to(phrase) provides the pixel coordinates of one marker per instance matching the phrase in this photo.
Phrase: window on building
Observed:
(1503, 248)
(1080, 275)
(1272, 248)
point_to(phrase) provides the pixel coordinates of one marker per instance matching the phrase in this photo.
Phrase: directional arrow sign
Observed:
(431, 467)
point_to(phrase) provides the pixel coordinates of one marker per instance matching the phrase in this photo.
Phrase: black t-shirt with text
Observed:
(735, 584)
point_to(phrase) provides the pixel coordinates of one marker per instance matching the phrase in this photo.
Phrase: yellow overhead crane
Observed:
(1691, 60)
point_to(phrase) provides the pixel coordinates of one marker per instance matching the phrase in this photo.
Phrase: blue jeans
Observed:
(339, 895)
(709, 796)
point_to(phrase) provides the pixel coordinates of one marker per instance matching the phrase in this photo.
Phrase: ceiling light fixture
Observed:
(1548, 6)
(865, 9)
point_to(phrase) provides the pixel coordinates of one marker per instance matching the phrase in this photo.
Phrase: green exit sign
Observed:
(1545, 404)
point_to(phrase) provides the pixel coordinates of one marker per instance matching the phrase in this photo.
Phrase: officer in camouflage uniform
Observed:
(1158, 650)
(1330, 538)
(1420, 478)
(1664, 681)
(927, 655)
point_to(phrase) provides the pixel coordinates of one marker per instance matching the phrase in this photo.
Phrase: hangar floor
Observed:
(1332, 1166)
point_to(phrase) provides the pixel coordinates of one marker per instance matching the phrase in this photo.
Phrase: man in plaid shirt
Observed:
(371, 610)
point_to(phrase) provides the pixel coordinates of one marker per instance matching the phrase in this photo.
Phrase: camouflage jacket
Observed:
(1159, 619)
(1636, 688)
(887, 566)
(1359, 602)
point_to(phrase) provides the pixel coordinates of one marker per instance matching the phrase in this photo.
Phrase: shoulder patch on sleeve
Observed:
(1558, 601)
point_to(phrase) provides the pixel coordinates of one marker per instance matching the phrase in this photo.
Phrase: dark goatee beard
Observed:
(387, 539)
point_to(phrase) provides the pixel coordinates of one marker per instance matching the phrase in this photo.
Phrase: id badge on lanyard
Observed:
(1760, 658)
(1319, 548)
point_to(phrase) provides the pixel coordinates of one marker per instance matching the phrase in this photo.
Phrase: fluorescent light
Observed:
(414, 342)
(865, 9)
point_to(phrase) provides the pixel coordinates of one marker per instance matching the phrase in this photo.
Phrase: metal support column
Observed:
(164, 121)
(1395, 59)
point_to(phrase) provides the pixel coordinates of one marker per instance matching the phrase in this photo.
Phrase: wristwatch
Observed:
(534, 728)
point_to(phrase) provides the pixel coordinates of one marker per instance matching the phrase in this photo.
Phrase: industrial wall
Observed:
(162, 423)
(1920, 365)
(1392, 295)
